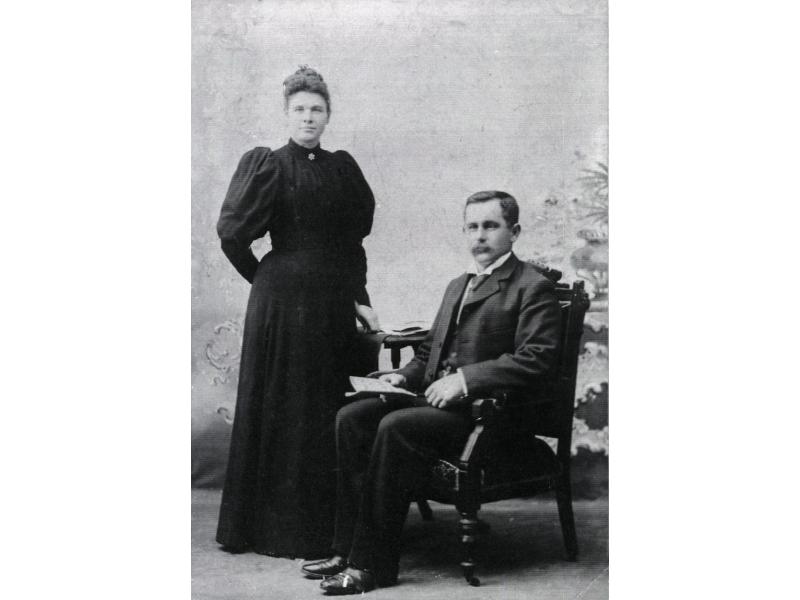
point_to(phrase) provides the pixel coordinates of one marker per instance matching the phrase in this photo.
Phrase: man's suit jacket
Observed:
(508, 334)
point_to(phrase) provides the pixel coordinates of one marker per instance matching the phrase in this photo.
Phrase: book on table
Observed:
(407, 328)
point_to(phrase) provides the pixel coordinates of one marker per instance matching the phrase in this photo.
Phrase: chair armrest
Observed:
(495, 418)
(507, 399)
(483, 412)
(483, 409)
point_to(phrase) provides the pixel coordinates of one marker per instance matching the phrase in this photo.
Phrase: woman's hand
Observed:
(367, 317)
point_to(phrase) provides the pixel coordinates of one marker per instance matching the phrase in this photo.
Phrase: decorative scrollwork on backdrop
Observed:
(224, 350)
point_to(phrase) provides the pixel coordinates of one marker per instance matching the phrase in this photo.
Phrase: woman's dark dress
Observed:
(280, 487)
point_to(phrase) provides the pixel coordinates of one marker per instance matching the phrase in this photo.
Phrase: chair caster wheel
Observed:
(474, 581)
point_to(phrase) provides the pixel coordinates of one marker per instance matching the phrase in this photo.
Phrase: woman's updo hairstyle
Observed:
(305, 79)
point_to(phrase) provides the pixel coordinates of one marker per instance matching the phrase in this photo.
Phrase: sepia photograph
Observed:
(400, 292)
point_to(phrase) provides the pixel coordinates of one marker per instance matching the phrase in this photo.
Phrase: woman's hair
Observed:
(305, 79)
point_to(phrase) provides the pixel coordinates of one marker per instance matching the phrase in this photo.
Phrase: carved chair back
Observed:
(554, 418)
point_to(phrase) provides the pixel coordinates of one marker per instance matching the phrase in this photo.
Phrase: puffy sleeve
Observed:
(249, 208)
(362, 206)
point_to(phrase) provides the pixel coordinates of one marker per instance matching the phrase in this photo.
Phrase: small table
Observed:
(395, 343)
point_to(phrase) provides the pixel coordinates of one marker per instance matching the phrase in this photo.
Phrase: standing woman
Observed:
(306, 293)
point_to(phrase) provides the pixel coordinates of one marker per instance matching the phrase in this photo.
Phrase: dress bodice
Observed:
(307, 199)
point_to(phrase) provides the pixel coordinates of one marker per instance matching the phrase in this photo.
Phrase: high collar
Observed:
(302, 152)
(473, 268)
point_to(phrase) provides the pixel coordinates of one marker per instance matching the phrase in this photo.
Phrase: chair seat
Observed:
(519, 467)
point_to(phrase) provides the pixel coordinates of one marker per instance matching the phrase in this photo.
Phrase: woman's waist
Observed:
(307, 262)
(300, 240)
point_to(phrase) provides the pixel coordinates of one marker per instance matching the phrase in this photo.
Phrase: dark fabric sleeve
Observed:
(536, 340)
(414, 370)
(363, 202)
(249, 208)
(362, 296)
(362, 205)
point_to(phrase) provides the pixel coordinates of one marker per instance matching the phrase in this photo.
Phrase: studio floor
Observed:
(521, 557)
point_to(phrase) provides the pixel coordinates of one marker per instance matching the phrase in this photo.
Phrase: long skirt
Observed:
(299, 336)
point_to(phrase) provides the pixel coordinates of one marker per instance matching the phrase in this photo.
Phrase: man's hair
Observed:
(508, 204)
(306, 79)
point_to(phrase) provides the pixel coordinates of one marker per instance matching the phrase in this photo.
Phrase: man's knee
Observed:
(424, 428)
(400, 423)
(357, 413)
(345, 414)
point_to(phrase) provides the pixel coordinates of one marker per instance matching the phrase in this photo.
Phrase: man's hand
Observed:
(394, 379)
(445, 392)
(367, 317)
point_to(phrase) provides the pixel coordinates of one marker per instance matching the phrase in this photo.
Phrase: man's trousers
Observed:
(385, 452)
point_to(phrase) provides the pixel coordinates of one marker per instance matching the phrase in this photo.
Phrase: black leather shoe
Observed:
(349, 581)
(319, 569)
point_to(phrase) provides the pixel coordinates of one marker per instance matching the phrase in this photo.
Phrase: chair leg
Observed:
(425, 509)
(565, 514)
(468, 528)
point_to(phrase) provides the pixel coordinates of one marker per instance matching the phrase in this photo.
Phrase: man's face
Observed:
(488, 235)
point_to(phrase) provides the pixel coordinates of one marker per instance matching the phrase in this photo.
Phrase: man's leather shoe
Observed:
(319, 569)
(349, 581)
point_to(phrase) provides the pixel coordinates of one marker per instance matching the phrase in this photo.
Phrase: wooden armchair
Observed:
(503, 459)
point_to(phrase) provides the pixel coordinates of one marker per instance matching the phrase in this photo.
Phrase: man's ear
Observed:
(515, 231)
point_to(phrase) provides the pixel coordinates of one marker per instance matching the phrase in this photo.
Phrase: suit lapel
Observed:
(451, 301)
(492, 284)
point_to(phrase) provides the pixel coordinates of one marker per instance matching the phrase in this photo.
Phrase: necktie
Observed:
(477, 281)
(474, 284)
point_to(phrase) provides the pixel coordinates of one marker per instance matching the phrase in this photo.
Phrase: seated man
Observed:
(498, 327)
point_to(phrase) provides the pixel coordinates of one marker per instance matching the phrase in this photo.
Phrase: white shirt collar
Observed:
(473, 268)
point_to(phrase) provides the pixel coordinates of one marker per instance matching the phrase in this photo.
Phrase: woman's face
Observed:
(307, 115)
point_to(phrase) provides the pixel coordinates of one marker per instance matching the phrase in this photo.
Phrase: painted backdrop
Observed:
(435, 101)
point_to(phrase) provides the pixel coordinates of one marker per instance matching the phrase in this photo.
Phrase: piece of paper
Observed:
(366, 386)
